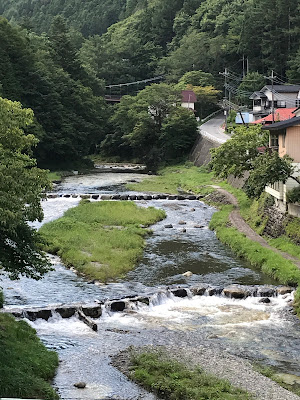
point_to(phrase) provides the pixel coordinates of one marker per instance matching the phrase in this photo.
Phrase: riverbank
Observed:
(101, 240)
(26, 367)
(222, 365)
(199, 180)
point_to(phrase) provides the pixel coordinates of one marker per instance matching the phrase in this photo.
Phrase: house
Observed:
(280, 114)
(285, 138)
(284, 96)
(188, 99)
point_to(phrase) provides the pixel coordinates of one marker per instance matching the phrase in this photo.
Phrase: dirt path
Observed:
(241, 225)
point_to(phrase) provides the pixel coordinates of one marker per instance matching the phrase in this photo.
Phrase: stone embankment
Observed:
(88, 312)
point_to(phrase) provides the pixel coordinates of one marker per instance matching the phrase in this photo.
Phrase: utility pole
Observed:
(271, 78)
(225, 74)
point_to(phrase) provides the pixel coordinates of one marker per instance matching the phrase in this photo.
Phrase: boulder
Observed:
(183, 230)
(85, 196)
(144, 300)
(235, 292)
(182, 223)
(66, 312)
(115, 197)
(117, 306)
(198, 226)
(265, 300)
(214, 291)
(92, 311)
(35, 314)
(139, 197)
(106, 197)
(265, 291)
(192, 197)
(80, 385)
(168, 226)
(180, 292)
(147, 197)
(171, 197)
(132, 197)
(180, 197)
(124, 197)
(284, 290)
(187, 274)
(67, 195)
(95, 196)
(199, 290)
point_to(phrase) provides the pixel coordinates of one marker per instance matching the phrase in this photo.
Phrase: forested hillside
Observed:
(174, 37)
(61, 73)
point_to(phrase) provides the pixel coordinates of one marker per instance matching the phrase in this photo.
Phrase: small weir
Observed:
(187, 290)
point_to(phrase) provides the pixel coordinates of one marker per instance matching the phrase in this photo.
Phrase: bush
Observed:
(293, 195)
(293, 229)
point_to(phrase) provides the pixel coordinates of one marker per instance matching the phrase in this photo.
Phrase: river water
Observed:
(259, 332)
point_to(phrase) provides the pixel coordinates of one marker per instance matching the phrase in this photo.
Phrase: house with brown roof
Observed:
(188, 99)
(285, 138)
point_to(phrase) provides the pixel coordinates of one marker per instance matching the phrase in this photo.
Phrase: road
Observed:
(212, 129)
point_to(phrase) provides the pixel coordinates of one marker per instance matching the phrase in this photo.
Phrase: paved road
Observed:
(212, 129)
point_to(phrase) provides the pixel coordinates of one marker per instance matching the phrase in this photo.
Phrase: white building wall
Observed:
(188, 105)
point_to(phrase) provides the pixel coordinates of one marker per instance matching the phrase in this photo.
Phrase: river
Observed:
(259, 332)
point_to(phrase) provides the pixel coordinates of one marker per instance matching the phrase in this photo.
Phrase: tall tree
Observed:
(22, 187)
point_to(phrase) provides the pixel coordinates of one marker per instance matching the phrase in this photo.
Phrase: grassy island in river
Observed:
(102, 240)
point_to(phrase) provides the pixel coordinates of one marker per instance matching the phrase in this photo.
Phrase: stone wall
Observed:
(200, 154)
(275, 226)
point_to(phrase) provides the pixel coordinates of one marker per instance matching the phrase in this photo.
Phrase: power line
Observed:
(136, 82)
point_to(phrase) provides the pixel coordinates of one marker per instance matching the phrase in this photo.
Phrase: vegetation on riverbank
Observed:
(26, 365)
(271, 263)
(174, 381)
(102, 240)
(171, 179)
(271, 373)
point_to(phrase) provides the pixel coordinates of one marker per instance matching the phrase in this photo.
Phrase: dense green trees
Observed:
(153, 126)
(21, 186)
(45, 75)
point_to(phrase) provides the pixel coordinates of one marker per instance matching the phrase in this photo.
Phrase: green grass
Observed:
(170, 179)
(26, 366)
(174, 381)
(270, 262)
(102, 240)
(271, 373)
(284, 243)
(54, 176)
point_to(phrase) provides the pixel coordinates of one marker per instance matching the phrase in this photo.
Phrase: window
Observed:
(274, 140)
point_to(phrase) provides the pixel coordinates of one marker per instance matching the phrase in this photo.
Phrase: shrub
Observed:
(293, 195)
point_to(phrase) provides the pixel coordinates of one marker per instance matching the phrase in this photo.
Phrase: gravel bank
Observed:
(223, 365)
